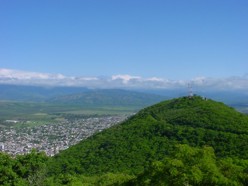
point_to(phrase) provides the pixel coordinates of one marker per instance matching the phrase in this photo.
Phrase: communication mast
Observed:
(190, 90)
(1, 147)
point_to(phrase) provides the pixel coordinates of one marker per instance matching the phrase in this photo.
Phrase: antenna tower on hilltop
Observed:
(190, 90)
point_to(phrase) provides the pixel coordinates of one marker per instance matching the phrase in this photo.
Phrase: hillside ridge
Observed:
(152, 134)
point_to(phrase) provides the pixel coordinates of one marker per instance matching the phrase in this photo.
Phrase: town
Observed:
(52, 138)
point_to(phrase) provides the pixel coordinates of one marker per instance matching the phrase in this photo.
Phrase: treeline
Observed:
(184, 166)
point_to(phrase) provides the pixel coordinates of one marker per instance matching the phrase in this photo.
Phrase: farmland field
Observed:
(35, 113)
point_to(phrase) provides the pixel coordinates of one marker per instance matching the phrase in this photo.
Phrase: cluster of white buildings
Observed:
(52, 138)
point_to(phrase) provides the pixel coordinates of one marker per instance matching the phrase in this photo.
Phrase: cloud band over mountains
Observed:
(10, 76)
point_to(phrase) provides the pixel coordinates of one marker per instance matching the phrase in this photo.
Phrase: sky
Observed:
(152, 40)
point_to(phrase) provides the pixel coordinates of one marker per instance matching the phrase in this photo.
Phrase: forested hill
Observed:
(152, 135)
(199, 112)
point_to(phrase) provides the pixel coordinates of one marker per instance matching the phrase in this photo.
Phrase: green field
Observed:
(33, 113)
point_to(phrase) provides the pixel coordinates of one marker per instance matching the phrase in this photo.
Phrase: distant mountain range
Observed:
(86, 96)
(35, 93)
(109, 97)
(83, 97)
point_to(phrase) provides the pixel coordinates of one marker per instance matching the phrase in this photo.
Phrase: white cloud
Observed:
(22, 75)
(199, 80)
(87, 78)
(155, 79)
(9, 76)
(125, 78)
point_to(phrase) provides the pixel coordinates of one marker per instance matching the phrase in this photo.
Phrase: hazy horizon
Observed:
(17, 77)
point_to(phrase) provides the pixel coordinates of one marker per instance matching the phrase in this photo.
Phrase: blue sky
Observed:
(166, 39)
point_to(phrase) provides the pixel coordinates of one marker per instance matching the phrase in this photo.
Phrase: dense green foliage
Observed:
(184, 141)
(194, 166)
(184, 165)
(23, 170)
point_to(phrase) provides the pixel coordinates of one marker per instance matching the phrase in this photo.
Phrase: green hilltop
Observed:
(153, 133)
(183, 141)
